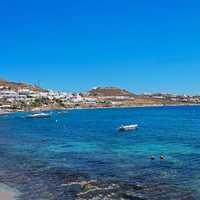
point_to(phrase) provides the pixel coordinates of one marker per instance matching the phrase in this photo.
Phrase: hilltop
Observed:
(17, 86)
(110, 92)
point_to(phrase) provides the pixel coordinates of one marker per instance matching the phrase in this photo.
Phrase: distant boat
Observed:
(39, 115)
(128, 127)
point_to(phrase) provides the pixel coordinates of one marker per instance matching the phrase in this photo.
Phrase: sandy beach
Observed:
(6, 196)
(7, 193)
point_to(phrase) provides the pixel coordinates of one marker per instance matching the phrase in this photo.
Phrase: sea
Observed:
(79, 154)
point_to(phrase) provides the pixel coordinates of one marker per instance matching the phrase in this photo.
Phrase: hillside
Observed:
(16, 86)
(110, 91)
(12, 99)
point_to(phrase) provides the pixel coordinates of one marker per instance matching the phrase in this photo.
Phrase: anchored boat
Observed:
(39, 115)
(128, 127)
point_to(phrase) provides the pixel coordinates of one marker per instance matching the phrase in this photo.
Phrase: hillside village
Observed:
(24, 97)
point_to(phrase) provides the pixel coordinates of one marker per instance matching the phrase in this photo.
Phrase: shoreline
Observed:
(8, 193)
(5, 112)
(125, 107)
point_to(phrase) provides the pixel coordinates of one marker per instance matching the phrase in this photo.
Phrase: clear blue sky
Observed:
(140, 45)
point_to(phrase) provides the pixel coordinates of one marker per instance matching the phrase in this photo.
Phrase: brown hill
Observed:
(110, 91)
(16, 86)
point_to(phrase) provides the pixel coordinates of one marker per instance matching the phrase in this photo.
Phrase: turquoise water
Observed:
(86, 143)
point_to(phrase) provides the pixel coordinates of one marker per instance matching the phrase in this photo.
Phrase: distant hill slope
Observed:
(110, 91)
(16, 86)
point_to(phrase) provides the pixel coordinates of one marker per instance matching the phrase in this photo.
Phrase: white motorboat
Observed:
(39, 115)
(128, 127)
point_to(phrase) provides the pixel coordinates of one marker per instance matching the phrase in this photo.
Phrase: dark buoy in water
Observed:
(162, 157)
(44, 140)
(152, 157)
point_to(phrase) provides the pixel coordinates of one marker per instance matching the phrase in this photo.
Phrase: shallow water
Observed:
(41, 157)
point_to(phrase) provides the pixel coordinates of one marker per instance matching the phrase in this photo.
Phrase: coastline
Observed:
(122, 107)
(5, 112)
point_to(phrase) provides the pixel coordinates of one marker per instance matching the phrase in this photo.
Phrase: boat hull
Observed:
(36, 116)
(128, 128)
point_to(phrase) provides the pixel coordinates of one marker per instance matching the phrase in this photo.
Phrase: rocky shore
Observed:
(60, 183)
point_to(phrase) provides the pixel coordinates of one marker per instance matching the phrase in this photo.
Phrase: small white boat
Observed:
(39, 115)
(128, 127)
